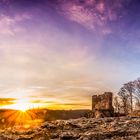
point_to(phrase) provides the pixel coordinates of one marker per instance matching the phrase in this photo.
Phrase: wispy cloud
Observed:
(80, 15)
(9, 25)
(6, 101)
(91, 14)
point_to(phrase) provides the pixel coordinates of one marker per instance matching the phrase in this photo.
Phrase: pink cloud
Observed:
(8, 24)
(100, 7)
(79, 14)
(82, 16)
(91, 14)
(90, 2)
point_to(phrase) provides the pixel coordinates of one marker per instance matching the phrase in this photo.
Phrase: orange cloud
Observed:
(6, 101)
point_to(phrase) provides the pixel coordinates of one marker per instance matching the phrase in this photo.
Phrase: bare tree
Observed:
(136, 94)
(129, 89)
(130, 95)
(117, 105)
(124, 97)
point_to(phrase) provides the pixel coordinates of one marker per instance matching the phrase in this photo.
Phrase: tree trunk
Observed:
(131, 102)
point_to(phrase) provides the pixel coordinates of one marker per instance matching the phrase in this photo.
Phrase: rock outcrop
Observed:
(110, 128)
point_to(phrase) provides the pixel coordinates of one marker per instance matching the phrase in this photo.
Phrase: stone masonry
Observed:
(102, 105)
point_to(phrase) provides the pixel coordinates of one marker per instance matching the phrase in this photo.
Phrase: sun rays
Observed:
(22, 113)
(21, 118)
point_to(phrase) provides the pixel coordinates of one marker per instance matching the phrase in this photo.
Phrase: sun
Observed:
(23, 109)
(22, 105)
(21, 114)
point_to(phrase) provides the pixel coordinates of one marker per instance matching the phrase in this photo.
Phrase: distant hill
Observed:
(9, 117)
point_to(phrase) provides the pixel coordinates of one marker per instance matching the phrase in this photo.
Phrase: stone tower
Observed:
(103, 103)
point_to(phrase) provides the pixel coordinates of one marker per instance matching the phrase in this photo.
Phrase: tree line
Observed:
(128, 97)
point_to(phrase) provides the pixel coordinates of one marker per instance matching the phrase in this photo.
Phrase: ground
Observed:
(119, 128)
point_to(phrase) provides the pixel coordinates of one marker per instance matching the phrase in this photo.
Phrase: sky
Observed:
(58, 53)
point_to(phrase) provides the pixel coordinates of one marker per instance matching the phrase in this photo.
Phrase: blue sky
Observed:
(57, 53)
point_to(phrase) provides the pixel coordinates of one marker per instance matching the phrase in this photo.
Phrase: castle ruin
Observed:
(102, 105)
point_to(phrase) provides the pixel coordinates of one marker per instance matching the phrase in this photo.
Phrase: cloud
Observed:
(91, 14)
(9, 25)
(6, 101)
(81, 105)
(42, 101)
(81, 16)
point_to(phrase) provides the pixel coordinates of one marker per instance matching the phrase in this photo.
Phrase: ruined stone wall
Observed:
(102, 104)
